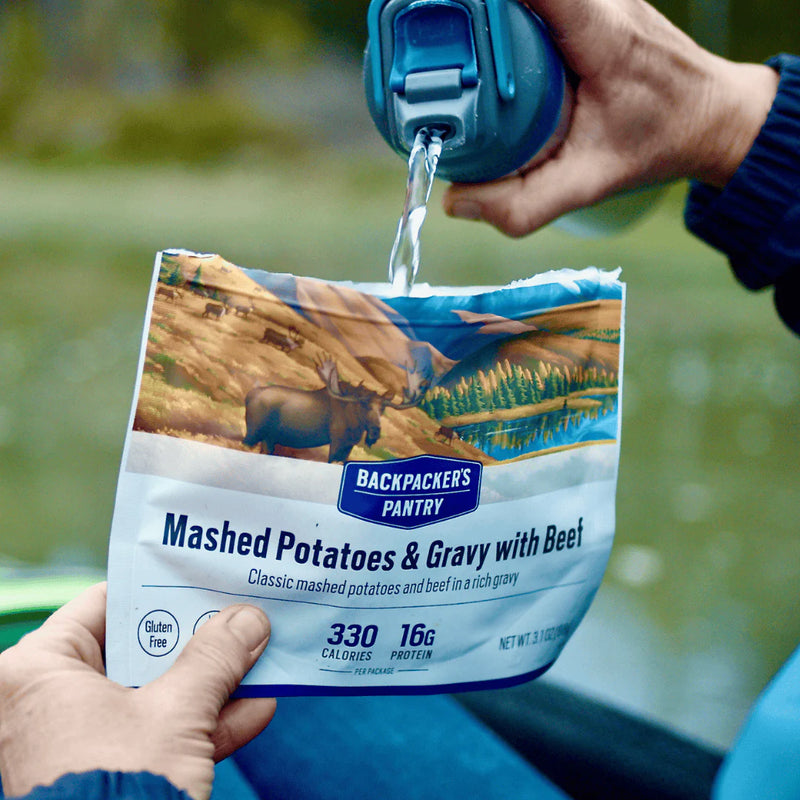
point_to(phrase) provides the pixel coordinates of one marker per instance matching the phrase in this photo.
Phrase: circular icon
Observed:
(203, 619)
(158, 633)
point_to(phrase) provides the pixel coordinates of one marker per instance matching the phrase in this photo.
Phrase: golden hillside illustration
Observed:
(330, 374)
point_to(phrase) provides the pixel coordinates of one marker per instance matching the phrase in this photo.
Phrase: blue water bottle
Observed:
(486, 76)
(483, 73)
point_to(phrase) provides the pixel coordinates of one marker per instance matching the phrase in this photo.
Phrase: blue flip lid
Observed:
(420, 47)
(433, 36)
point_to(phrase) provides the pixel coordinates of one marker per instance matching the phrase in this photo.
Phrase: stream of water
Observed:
(404, 259)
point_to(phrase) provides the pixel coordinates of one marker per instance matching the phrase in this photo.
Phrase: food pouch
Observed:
(419, 491)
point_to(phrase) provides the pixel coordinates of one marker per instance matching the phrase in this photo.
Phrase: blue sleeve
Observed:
(763, 760)
(755, 219)
(99, 785)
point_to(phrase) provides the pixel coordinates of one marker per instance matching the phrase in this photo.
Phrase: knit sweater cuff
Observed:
(749, 215)
(101, 785)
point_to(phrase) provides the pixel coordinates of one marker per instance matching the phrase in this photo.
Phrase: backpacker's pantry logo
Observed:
(412, 492)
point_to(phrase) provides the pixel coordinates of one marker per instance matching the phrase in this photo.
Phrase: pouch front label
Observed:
(419, 491)
(410, 493)
(451, 606)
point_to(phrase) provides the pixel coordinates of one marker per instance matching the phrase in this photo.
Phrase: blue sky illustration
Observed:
(433, 319)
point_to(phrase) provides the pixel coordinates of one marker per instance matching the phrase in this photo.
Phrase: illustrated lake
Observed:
(507, 439)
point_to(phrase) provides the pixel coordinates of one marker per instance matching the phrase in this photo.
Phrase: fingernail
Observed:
(250, 627)
(466, 209)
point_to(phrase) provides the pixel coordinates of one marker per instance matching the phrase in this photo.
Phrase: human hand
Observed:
(650, 106)
(59, 713)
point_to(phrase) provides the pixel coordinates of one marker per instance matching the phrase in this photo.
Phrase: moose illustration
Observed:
(287, 343)
(339, 414)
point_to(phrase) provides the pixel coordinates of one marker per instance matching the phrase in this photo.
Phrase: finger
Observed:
(569, 21)
(558, 14)
(217, 657)
(77, 629)
(522, 204)
(240, 721)
(88, 610)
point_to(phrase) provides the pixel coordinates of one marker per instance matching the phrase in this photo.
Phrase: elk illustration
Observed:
(215, 310)
(287, 343)
(447, 434)
(169, 294)
(243, 310)
(339, 414)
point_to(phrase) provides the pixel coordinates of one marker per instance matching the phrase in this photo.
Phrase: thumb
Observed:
(217, 657)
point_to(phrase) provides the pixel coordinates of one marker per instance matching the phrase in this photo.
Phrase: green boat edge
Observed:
(29, 595)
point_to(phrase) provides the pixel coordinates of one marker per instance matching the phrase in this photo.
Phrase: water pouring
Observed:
(484, 80)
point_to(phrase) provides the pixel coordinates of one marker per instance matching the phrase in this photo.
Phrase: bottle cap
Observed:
(483, 72)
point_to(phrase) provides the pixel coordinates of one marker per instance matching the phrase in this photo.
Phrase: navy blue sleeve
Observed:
(755, 219)
(99, 785)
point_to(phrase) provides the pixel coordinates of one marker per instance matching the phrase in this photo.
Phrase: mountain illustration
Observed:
(366, 325)
(559, 337)
(459, 325)
(493, 323)
(436, 366)
(216, 334)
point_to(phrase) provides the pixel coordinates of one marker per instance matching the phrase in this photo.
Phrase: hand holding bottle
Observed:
(650, 106)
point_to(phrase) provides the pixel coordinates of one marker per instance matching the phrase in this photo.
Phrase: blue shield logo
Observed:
(411, 492)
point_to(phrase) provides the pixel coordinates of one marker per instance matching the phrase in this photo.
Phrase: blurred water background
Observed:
(240, 128)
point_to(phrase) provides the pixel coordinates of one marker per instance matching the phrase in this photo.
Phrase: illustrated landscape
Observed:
(301, 368)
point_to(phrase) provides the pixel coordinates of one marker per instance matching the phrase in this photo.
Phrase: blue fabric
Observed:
(765, 758)
(230, 784)
(755, 219)
(99, 785)
(349, 747)
(385, 747)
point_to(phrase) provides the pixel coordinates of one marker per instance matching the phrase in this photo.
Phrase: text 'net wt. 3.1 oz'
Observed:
(419, 491)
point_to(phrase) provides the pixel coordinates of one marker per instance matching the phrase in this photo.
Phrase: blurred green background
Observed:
(240, 128)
